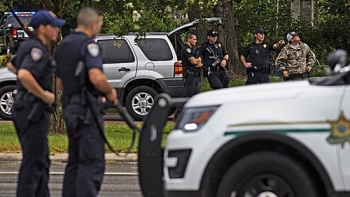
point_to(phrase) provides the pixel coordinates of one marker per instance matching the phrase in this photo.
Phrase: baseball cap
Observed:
(212, 33)
(291, 35)
(46, 17)
(259, 30)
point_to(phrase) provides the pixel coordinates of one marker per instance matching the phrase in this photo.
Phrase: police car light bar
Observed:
(21, 13)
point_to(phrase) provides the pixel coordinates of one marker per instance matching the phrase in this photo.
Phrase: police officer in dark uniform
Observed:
(259, 55)
(215, 59)
(31, 109)
(191, 65)
(86, 162)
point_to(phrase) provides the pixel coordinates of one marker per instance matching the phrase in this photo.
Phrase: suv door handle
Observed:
(124, 69)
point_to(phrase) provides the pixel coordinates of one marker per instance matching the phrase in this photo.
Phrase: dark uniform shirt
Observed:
(259, 54)
(208, 56)
(34, 56)
(186, 54)
(85, 49)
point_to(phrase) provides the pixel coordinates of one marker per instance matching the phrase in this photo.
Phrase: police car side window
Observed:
(116, 51)
(156, 49)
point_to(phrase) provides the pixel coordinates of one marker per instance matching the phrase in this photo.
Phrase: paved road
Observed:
(120, 177)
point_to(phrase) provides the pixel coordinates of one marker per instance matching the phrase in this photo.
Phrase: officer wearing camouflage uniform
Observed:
(214, 69)
(31, 108)
(296, 59)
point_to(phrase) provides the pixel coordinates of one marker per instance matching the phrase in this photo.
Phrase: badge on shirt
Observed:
(264, 45)
(93, 49)
(188, 50)
(36, 54)
(219, 45)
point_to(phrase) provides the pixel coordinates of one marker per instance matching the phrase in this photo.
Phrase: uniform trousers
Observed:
(33, 174)
(191, 87)
(217, 80)
(257, 77)
(86, 162)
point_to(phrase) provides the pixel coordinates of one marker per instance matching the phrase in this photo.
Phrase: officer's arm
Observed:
(11, 67)
(243, 60)
(194, 60)
(28, 81)
(99, 81)
(279, 44)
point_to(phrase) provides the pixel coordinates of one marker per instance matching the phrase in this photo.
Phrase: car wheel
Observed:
(6, 101)
(139, 102)
(266, 174)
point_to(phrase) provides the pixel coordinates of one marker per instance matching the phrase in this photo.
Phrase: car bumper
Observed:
(173, 86)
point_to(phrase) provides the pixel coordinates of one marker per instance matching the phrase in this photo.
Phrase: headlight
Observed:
(194, 118)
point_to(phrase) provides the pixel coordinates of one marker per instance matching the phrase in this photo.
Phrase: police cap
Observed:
(46, 17)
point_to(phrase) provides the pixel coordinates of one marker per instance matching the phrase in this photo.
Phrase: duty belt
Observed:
(264, 69)
(25, 95)
(299, 75)
(73, 99)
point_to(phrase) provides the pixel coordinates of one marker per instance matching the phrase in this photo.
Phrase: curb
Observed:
(110, 157)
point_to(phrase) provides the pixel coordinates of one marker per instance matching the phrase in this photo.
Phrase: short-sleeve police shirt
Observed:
(33, 56)
(186, 54)
(259, 53)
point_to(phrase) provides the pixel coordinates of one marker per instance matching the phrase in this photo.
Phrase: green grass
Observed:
(118, 134)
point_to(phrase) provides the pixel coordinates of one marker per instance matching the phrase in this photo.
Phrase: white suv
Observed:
(278, 139)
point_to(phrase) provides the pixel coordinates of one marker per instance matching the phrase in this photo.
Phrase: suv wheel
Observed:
(140, 101)
(267, 174)
(6, 101)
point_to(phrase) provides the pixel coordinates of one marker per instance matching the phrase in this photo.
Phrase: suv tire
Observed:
(6, 101)
(267, 174)
(139, 102)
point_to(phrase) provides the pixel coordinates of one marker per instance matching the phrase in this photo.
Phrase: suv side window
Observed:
(156, 49)
(116, 51)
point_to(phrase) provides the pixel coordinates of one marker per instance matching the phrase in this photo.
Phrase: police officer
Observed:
(86, 162)
(215, 59)
(30, 112)
(296, 59)
(259, 56)
(191, 65)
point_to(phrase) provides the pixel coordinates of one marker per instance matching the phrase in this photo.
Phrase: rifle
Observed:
(92, 103)
(218, 61)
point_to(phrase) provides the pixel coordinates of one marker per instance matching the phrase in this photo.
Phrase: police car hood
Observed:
(265, 93)
(274, 102)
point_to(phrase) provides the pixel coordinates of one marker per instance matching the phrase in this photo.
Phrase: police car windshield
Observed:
(12, 20)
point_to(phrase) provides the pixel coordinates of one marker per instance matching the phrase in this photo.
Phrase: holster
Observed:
(36, 112)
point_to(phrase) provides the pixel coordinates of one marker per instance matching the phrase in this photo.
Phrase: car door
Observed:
(119, 61)
(344, 147)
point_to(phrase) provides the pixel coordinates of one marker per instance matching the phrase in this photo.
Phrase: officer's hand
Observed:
(112, 97)
(285, 74)
(308, 68)
(248, 65)
(281, 42)
(48, 97)
(199, 65)
(223, 63)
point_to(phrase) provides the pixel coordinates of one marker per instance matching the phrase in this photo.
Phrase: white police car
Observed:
(287, 139)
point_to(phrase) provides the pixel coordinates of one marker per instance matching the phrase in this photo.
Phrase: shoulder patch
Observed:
(93, 49)
(36, 54)
(188, 50)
